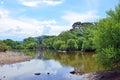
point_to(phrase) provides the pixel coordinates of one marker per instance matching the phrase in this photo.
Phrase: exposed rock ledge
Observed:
(12, 57)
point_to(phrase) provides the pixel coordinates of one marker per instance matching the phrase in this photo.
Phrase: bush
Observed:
(3, 47)
(107, 40)
(72, 44)
(58, 45)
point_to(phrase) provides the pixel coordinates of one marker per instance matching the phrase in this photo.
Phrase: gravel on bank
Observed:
(10, 57)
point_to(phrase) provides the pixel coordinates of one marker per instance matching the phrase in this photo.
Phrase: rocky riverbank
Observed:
(104, 75)
(9, 57)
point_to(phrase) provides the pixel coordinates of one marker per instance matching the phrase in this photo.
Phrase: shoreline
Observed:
(103, 75)
(10, 57)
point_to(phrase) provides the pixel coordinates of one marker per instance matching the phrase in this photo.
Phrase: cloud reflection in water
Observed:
(26, 70)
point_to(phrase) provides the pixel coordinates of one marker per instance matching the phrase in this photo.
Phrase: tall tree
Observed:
(3, 47)
(107, 39)
(72, 44)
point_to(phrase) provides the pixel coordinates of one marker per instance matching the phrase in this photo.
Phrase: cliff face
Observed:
(78, 25)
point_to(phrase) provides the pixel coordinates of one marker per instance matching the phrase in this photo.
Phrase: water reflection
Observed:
(26, 70)
(39, 55)
(83, 62)
(58, 65)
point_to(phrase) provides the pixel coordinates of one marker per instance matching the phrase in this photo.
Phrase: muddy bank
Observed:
(12, 57)
(104, 75)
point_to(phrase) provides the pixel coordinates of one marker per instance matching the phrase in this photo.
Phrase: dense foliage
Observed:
(12, 44)
(75, 39)
(3, 47)
(29, 43)
(107, 39)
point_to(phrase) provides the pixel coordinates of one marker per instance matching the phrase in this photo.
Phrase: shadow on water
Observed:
(50, 65)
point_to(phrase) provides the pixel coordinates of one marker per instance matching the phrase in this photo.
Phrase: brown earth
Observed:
(104, 75)
(12, 57)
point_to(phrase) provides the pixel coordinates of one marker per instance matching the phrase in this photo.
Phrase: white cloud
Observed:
(53, 3)
(83, 17)
(25, 27)
(3, 13)
(19, 28)
(35, 3)
(56, 30)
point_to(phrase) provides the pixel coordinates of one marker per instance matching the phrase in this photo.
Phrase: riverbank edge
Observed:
(10, 57)
(113, 74)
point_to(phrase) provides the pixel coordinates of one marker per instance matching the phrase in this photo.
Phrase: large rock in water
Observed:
(37, 73)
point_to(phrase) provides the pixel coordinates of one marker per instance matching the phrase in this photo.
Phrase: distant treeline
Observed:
(78, 38)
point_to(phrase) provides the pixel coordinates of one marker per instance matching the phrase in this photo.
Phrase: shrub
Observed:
(3, 47)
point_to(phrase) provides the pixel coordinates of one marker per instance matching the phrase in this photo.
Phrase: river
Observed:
(50, 65)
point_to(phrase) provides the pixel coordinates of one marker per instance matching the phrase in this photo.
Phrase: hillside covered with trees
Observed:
(78, 38)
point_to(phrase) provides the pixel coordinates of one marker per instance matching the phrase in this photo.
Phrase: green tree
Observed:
(72, 44)
(78, 32)
(80, 42)
(29, 39)
(48, 43)
(64, 36)
(107, 39)
(30, 43)
(3, 47)
(87, 44)
(63, 47)
(83, 38)
(12, 44)
(115, 14)
(20, 46)
(57, 44)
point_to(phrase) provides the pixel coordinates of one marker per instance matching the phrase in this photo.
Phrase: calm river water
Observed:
(50, 65)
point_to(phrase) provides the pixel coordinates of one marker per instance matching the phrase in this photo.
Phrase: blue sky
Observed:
(20, 19)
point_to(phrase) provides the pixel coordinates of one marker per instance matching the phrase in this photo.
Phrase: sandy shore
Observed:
(12, 57)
